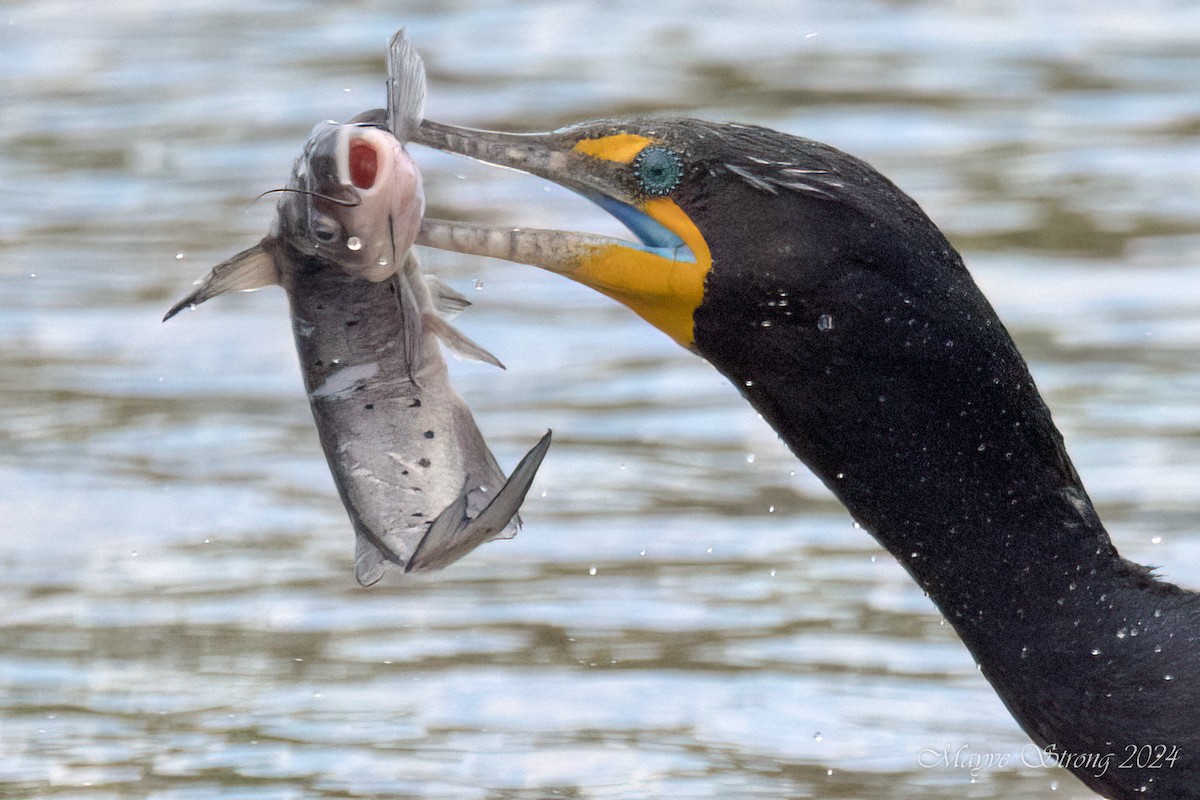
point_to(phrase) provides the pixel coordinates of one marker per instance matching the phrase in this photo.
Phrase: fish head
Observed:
(354, 202)
(355, 199)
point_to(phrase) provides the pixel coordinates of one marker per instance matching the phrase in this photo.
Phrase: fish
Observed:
(419, 483)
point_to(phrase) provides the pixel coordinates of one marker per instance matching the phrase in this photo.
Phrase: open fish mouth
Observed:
(659, 273)
(363, 153)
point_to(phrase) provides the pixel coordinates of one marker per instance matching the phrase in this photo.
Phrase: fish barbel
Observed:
(418, 481)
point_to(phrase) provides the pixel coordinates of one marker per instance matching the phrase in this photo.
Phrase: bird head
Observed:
(735, 227)
(819, 288)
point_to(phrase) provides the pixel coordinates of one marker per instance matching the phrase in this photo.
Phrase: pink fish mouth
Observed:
(363, 163)
(366, 155)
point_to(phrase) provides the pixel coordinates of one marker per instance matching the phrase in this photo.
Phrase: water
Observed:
(687, 613)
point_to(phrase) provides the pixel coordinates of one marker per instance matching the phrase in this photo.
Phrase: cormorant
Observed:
(846, 318)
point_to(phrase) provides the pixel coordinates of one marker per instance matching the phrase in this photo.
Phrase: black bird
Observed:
(850, 323)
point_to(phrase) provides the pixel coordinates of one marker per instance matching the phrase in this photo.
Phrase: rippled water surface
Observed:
(687, 613)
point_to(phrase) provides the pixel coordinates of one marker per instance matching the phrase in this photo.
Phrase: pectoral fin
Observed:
(452, 535)
(250, 269)
(411, 319)
(447, 301)
(457, 341)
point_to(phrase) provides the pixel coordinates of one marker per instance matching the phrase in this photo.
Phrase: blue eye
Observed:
(658, 170)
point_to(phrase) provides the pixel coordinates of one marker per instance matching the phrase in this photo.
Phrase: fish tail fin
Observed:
(252, 268)
(452, 534)
(406, 87)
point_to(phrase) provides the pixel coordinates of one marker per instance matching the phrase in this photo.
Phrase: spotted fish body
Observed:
(419, 483)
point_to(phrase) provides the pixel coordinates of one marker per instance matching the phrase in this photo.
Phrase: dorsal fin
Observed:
(406, 87)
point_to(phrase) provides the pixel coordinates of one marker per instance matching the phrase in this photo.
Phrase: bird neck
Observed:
(910, 401)
(856, 331)
(971, 489)
(932, 433)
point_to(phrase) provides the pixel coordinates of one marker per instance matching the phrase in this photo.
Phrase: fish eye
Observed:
(658, 170)
(325, 229)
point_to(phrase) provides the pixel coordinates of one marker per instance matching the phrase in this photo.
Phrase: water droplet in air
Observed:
(825, 323)
(1156, 540)
(354, 243)
(383, 262)
(750, 458)
(179, 256)
(592, 570)
(478, 285)
(817, 737)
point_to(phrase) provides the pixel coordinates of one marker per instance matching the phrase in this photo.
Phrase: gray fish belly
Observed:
(402, 445)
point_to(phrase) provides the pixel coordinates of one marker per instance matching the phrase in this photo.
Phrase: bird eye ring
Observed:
(658, 170)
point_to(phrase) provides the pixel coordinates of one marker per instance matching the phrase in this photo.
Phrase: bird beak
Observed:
(660, 275)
